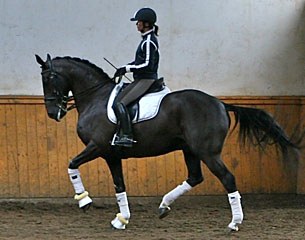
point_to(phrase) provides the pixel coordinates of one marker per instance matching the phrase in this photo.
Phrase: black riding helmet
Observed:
(145, 15)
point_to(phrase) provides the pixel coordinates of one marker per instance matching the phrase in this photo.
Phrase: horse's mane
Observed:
(75, 59)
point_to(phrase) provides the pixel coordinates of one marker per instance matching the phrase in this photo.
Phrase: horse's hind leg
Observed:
(217, 167)
(194, 178)
(89, 153)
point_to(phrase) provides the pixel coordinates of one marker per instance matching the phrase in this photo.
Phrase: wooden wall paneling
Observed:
(13, 165)
(93, 177)
(142, 176)
(42, 150)
(241, 166)
(104, 178)
(301, 164)
(170, 166)
(291, 168)
(161, 175)
(22, 153)
(4, 175)
(132, 174)
(152, 187)
(62, 158)
(181, 171)
(271, 170)
(32, 159)
(52, 151)
(278, 173)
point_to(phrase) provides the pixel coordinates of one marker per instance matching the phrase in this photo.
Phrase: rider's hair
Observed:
(156, 31)
(151, 26)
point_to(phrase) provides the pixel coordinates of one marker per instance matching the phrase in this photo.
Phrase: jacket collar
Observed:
(146, 33)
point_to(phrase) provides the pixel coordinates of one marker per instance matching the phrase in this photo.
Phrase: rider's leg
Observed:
(125, 137)
(131, 93)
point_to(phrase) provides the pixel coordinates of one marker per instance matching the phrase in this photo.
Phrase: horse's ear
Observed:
(48, 57)
(39, 60)
(49, 62)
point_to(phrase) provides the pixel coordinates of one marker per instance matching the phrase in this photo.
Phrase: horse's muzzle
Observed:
(57, 115)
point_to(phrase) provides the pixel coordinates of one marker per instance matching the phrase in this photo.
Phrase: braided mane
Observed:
(86, 62)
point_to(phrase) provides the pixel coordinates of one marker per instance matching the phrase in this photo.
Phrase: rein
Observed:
(84, 93)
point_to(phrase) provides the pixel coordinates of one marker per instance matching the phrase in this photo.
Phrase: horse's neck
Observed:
(87, 82)
(86, 97)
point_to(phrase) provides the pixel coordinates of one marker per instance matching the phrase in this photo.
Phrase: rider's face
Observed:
(140, 26)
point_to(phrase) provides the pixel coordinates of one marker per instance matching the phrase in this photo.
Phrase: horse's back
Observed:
(194, 102)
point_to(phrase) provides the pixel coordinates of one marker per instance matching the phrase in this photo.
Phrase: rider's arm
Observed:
(143, 63)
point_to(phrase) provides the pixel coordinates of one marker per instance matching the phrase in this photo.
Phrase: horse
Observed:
(188, 120)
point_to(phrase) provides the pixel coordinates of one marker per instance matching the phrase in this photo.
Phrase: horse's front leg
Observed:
(122, 218)
(89, 153)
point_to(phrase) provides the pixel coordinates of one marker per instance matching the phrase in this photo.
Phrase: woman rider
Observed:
(145, 73)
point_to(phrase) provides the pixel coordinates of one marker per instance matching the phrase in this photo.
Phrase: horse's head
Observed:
(55, 88)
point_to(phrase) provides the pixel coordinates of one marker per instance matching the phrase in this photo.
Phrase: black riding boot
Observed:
(124, 137)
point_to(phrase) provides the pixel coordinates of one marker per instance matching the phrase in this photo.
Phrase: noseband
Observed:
(61, 99)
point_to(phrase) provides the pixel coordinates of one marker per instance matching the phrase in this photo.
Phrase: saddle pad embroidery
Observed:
(148, 105)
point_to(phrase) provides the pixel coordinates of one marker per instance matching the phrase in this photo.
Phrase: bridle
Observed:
(61, 99)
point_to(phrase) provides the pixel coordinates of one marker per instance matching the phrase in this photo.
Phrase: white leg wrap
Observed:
(237, 211)
(76, 180)
(122, 218)
(170, 197)
(81, 195)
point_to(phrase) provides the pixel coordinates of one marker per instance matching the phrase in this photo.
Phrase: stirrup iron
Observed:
(116, 139)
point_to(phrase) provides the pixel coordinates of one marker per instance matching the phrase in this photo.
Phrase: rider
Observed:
(144, 69)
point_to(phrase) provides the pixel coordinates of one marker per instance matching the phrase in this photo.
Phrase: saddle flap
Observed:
(148, 105)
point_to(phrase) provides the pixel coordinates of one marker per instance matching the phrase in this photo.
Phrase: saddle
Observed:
(144, 108)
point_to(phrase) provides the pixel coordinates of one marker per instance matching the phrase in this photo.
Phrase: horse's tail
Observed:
(260, 128)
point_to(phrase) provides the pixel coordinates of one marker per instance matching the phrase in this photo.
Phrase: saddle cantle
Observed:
(146, 107)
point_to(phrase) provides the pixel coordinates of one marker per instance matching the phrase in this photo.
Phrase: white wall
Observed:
(224, 47)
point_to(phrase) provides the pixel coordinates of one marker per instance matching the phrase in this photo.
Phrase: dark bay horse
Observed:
(188, 120)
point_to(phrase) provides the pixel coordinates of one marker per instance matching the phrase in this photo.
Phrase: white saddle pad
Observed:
(148, 105)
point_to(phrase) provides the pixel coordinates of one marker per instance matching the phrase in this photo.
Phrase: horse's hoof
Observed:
(86, 207)
(163, 212)
(113, 228)
(119, 223)
(85, 203)
(232, 227)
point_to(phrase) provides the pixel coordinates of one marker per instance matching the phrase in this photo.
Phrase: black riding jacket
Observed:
(146, 63)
